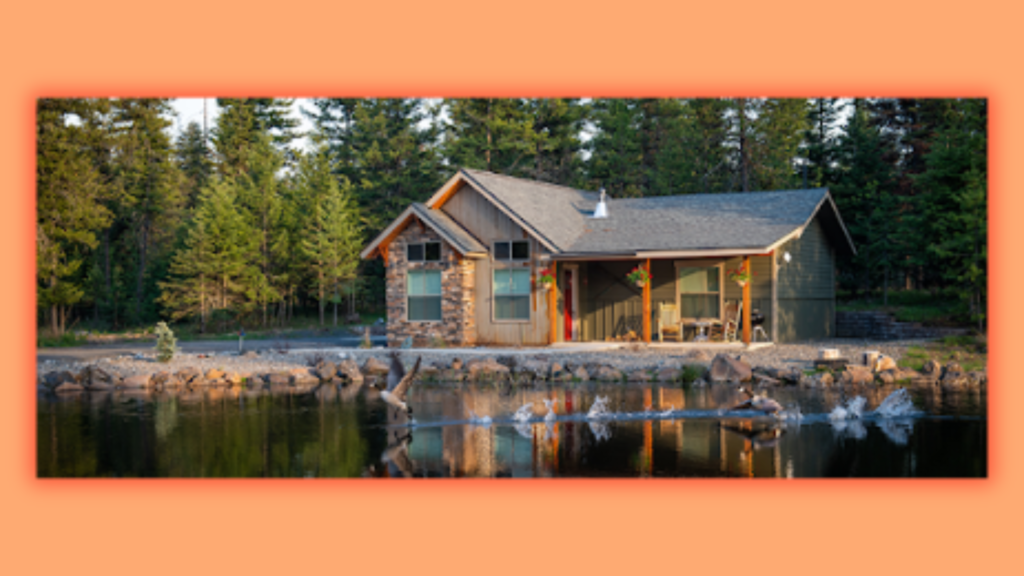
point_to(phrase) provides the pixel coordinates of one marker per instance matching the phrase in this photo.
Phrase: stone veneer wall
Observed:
(883, 326)
(458, 325)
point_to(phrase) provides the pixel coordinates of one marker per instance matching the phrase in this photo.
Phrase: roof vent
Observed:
(602, 207)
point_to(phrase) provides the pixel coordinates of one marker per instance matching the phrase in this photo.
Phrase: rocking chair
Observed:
(668, 322)
(730, 326)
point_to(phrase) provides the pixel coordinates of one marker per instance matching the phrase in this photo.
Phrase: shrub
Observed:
(166, 343)
(691, 372)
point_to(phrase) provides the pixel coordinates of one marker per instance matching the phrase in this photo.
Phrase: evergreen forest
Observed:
(253, 223)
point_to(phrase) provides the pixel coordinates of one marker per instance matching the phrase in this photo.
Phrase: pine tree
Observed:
(558, 123)
(694, 159)
(494, 134)
(194, 159)
(954, 219)
(149, 192)
(821, 140)
(778, 133)
(70, 202)
(332, 235)
(615, 151)
(166, 343)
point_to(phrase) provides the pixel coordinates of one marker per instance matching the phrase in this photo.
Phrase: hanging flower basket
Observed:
(545, 279)
(639, 276)
(741, 275)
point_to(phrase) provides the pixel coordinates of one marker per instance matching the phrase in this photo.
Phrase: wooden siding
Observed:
(610, 305)
(806, 289)
(488, 224)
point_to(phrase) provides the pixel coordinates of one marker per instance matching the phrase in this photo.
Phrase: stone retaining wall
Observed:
(883, 326)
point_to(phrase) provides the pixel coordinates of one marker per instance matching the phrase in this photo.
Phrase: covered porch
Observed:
(593, 301)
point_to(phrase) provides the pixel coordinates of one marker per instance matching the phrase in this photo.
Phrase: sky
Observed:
(191, 110)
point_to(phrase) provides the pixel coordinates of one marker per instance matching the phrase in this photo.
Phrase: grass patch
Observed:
(939, 309)
(968, 351)
(63, 341)
(691, 372)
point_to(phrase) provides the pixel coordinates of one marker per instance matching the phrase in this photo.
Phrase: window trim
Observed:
(510, 259)
(440, 251)
(721, 285)
(494, 298)
(440, 295)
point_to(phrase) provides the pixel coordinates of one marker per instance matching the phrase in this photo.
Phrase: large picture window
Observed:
(512, 294)
(424, 293)
(699, 292)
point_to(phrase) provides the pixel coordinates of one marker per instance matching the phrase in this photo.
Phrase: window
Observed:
(425, 252)
(699, 292)
(512, 294)
(424, 292)
(514, 250)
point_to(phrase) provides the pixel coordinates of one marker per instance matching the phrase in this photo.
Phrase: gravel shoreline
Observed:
(799, 355)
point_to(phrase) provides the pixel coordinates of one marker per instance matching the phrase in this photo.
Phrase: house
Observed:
(463, 266)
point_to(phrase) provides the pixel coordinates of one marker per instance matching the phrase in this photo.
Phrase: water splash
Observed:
(897, 429)
(852, 428)
(668, 413)
(550, 416)
(601, 430)
(853, 410)
(483, 421)
(896, 405)
(599, 409)
(791, 413)
(524, 414)
(524, 429)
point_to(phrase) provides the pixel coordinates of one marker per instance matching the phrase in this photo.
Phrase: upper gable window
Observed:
(512, 250)
(423, 252)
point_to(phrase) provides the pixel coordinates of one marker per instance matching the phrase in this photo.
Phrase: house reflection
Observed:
(641, 448)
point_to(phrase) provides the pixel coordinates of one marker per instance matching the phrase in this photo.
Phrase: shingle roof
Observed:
(557, 214)
(451, 230)
(688, 222)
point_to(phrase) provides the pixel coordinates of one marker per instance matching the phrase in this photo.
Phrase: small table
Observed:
(701, 326)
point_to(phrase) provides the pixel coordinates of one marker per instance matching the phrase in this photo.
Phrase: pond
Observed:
(470, 430)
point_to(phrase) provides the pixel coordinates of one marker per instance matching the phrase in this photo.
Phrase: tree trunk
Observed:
(143, 241)
(744, 152)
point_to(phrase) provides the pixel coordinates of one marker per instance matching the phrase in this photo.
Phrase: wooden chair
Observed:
(733, 313)
(668, 322)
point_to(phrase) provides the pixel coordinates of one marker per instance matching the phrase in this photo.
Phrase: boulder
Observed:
(278, 379)
(977, 378)
(234, 378)
(884, 363)
(539, 370)
(698, 355)
(953, 380)
(302, 377)
(728, 369)
(931, 368)
(250, 354)
(608, 374)
(669, 374)
(137, 381)
(214, 374)
(55, 379)
(887, 377)
(374, 367)
(856, 375)
(561, 376)
(556, 367)
(67, 387)
(953, 367)
(640, 375)
(456, 364)
(350, 370)
(580, 373)
(326, 370)
(188, 375)
(489, 368)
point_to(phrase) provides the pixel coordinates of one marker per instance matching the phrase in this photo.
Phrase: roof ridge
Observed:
(535, 182)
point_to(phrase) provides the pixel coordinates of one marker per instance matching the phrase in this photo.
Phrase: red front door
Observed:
(568, 305)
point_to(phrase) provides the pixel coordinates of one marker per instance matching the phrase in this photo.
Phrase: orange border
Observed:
(529, 47)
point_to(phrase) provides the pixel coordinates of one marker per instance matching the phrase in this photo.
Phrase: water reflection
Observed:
(498, 431)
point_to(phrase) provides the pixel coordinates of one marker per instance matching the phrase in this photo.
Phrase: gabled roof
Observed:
(687, 225)
(453, 232)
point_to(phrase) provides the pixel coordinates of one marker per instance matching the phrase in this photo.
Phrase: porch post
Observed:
(746, 302)
(647, 303)
(553, 305)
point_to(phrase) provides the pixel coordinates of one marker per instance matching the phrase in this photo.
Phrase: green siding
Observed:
(611, 305)
(806, 290)
(760, 287)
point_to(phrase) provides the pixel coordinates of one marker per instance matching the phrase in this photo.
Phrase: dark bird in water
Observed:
(396, 372)
(758, 402)
(763, 438)
(399, 383)
(397, 456)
